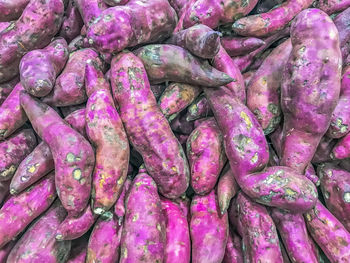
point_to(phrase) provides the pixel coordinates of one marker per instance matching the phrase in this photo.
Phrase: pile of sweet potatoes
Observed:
(175, 131)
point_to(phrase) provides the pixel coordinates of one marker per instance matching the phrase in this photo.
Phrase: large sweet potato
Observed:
(332, 6)
(11, 9)
(342, 22)
(72, 22)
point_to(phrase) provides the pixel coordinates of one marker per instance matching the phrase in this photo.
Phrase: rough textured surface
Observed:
(238, 46)
(198, 109)
(342, 22)
(72, 22)
(341, 149)
(332, 6)
(90, 10)
(11, 9)
(227, 188)
(4, 190)
(233, 252)
(6, 88)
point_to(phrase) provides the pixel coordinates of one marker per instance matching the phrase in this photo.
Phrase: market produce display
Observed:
(174, 131)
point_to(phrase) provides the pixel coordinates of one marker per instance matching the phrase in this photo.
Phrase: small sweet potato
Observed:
(324, 150)
(11, 9)
(342, 22)
(233, 252)
(238, 46)
(6, 88)
(332, 6)
(198, 109)
(72, 23)
(90, 10)
(119, 207)
(227, 188)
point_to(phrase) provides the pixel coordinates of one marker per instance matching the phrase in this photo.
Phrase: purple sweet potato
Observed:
(73, 155)
(76, 43)
(310, 174)
(324, 150)
(209, 231)
(39, 22)
(39, 68)
(233, 252)
(332, 6)
(227, 188)
(268, 23)
(76, 120)
(143, 207)
(13, 150)
(4, 190)
(292, 229)
(173, 63)
(135, 23)
(182, 15)
(69, 109)
(340, 120)
(94, 79)
(223, 62)
(176, 97)
(6, 88)
(11, 9)
(200, 40)
(206, 156)
(119, 207)
(72, 23)
(19, 211)
(181, 125)
(5, 251)
(329, 233)
(90, 10)
(147, 128)
(178, 5)
(215, 12)
(38, 243)
(260, 239)
(310, 86)
(69, 88)
(335, 186)
(78, 250)
(341, 149)
(5, 25)
(238, 46)
(198, 109)
(342, 22)
(178, 244)
(248, 76)
(263, 92)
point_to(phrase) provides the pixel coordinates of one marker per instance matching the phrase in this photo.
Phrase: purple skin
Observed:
(143, 206)
(116, 2)
(13, 150)
(245, 144)
(340, 120)
(329, 233)
(324, 150)
(227, 188)
(332, 6)
(173, 63)
(69, 88)
(11, 9)
(39, 68)
(181, 125)
(73, 155)
(94, 79)
(335, 186)
(78, 250)
(4, 190)
(200, 40)
(77, 43)
(292, 229)
(76, 120)
(132, 24)
(72, 23)
(264, 6)
(69, 109)
(310, 174)
(178, 245)
(260, 59)
(6, 89)
(19, 211)
(178, 5)
(158, 90)
(5, 251)
(176, 97)
(206, 156)
(307, 101)
(342, 22)
(90, 10)
(38, 243)
(239, 46)
(233, 252)
(342, 148)
(119, 207)
(209, 231)
(147, 128)
(198, 109)
(223, 62)
(5, 25)
(38, 24)
(260, 239)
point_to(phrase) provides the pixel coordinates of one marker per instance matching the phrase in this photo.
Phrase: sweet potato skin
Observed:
(146, 127)
(78, 250)
(119, 207)
(238, 46)
(324, 150)
(38, 68)
(341, 149)
(143, 206)
(329, 233)
(73, 155)
(206, 156)
(19, 211)
(39, 22)
(72, 22)
(233, 252)
(341, 21)
(11, 9)
(307, 102)
(4, 190)
(5, 251)
(181, 125)
(173, 63)
(227, 188)
(198, 109)
(332, 6)
(6, 88)
(116, 2)
(209, 231)
(90, 10)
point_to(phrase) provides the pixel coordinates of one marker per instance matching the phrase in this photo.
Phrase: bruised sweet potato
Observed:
(227, 188)
(147, 129)
(39, 22)
(198, 109)
(238, 46)
(11, 9)
(72, 22)
(233, 252)
(6, 88)
(332, 6)
(310, 86)
(73, 155)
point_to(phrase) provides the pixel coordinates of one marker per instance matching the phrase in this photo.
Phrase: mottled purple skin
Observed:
(223, 62)
(292, 229)
(310, 86)
(280, 187)
(335, 186)
(4, 190)
(340, 120)
(72, 23)
(324, 150)
(95, 79)
(147, 128)
(176, 97)
(143, 207)
(310, 174)
(73, 155)
(227, 188)
(77, 43)
(135, 23)
(178, 5)
(69, 109)
(332, 6)
(215, 13)
(173, 63)
(260, 59)
(263, 92)
(181, 125)
(341, 149)
(329, 233)
(245, 144)
(198, 109)
(182, 15)
(158, 90)
(119, 207)
(178, 244)
(11, 9)
(38, 243)
(19, 211)
(39, 68)
(239, 46)
(200, 40)
(4, 25)
(13, 150)
(206, 156)
(90, 10)
(39, 22)
(78, 250)
(268, 23)
(5, 251)
(342, 22)
(209, 231)
(233, 252)
(69, 88)
(77, 121)
(6, 89)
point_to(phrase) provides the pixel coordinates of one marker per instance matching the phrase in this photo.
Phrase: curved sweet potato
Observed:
(11, 9)
(233, 252)
(238, 46)
(198, 109)
(227, 188)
